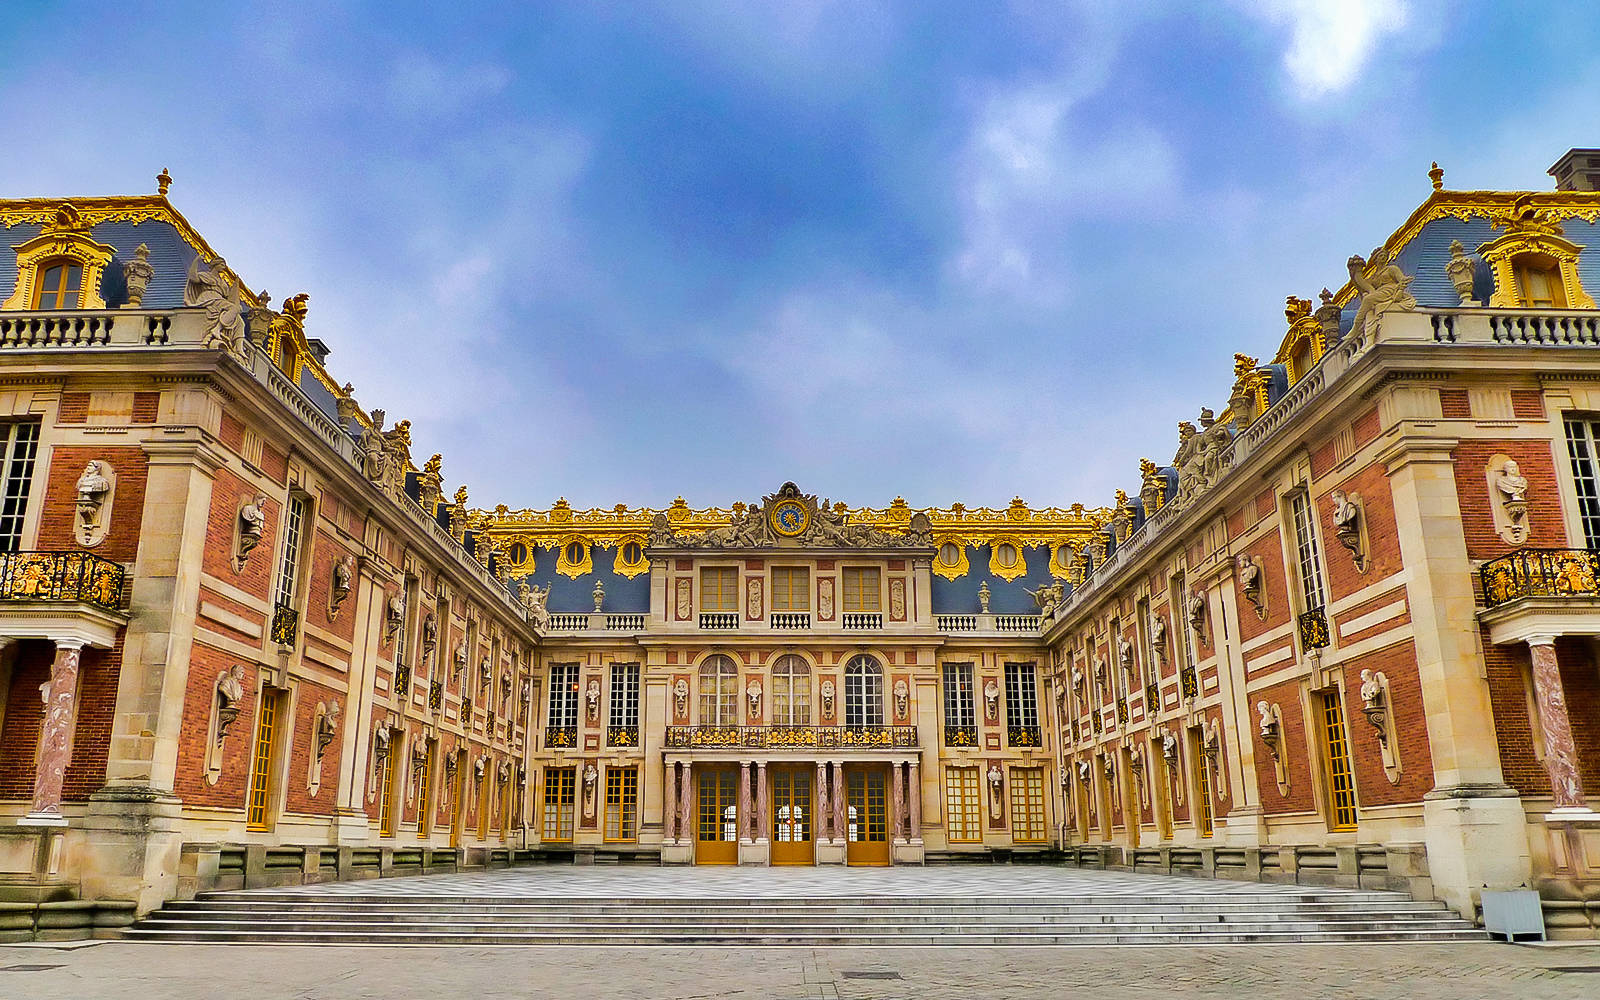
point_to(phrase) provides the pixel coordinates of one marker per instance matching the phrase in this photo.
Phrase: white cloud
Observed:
(1330, 41)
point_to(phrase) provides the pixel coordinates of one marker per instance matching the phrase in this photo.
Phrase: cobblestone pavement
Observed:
(117, 970)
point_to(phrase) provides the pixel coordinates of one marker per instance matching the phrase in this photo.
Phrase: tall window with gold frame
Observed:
(263, 764)
(1204, 819)
(560, 785)
(963, 809)
(862, 586)
(1027, 805)
(425, 791)
(791, 588)
(719, 588)
(388, 774)
(622, 804)
(1336, 762)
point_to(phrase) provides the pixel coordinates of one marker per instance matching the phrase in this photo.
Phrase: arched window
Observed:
(863, 692)
(1539, 281)
(60, 284)
(719, 691)
(791, 691)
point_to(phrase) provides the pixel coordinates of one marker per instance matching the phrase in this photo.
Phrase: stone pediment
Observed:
(791, 519)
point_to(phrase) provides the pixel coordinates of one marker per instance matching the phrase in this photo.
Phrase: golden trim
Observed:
(941, 568)
(1501, 255)
(1058, 568)
(65, 236)
(1303, 329)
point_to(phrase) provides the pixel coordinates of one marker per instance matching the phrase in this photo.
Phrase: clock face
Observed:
(790, 518)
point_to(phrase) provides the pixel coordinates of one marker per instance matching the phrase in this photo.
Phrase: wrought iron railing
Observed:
(435, 696)
(285, 624)
(1023, 736)
(402, 681)
(1122, 711)
(1189, 682)
(792, 737)
(61, 576)
(1152, 698)
(1314, 629)
(960, 736)
(561, 737)
(1540, 573)
(622, 736)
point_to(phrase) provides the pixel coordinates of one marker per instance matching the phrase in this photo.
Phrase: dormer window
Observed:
(60, 285)
(1539, 281)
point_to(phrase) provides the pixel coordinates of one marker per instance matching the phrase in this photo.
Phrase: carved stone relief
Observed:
(1251, 584)
(1349, 526)
(227, 694)
(340, 585)
(1379, 713)
(96, 492)
(1508, 498)
(250, 524)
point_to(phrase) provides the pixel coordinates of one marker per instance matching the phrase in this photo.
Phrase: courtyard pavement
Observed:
(129, 971)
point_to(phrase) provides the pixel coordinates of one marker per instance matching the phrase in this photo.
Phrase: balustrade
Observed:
(792, 737)
(61, 576)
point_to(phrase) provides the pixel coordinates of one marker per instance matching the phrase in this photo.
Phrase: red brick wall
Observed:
(1580, 682)
(1267, 552)
(1455, 404)
(1297, 762)
(146, 406)
(1527, 404)
(1546, 525)
(227, 494)
(230, 790)
(74, 408)
(327, 550)
(1382, 536)
(1399, 664)
(98, 670)
(300, 746)
(127, 508)
(1505, 667)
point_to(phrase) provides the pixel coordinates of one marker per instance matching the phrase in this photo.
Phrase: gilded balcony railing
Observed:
(1024, 736)
(61, 576)
(1314, 629)
(792, 737)
(961, 736)
(561, 737)
(622, 736)
(1540, 573)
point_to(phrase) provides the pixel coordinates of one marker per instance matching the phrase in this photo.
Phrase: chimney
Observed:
(1578, 170)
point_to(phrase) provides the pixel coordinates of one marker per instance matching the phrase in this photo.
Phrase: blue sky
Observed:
(951, 251)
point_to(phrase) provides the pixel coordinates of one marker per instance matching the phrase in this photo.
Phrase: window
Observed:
(861, 588)
(863, 692)
(960, 712)
(60, 285)
(622, 803)
(425, 792)
(719, 691)
(950, 554)
(1583, 447)
(19, 443)
(1336, 758)
(387, 774)
(791, 588)
(1027, 805)
(575, 553)
(1005, 554)
(632, 553)
(1022, 706)
(623, 720)
(560, 783)
(1305, 544)
(719, 586)
(791, 691)
(1538, 282)
(963, 811)
(561, 722)
(1203, 820)
(263, 765)
(295, 518)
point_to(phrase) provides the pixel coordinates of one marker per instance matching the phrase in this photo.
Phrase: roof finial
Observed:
(1437, 176)
(163, 181)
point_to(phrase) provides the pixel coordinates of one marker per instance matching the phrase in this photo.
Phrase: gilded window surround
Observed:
(1501, 255)
(621, 566)
(573, 569)
(1303, 329)
(961, 568)
(65, 236)
(1016, 569)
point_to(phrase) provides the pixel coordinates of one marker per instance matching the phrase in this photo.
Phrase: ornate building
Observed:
(1346, 634)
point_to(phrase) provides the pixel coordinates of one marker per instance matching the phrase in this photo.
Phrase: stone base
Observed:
(758, 853)
(681, 853)
(1477, 838)
(129, 846)
(904, 853)
(830, 853)
(43, 819)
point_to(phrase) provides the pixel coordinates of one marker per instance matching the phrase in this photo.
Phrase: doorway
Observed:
(867, 814)
(717, 829)
(793, 842)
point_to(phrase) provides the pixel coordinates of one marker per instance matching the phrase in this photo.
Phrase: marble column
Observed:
(55, 736)
(841, 829)
(686, 818)
(914, 800)
(897, 788)
(821, 811)
(760, 821)
(744, 802)
(669, 811)
(1560, 753)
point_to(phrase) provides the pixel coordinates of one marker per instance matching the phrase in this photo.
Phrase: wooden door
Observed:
(792, 837)
(717, 829)
(867, 814)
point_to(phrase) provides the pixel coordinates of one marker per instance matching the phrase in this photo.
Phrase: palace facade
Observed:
(1345, 634)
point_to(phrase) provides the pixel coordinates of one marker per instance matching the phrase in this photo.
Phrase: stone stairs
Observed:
(1154, 918)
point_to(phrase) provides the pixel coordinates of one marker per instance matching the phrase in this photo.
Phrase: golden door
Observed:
(717, 829)
(792, 840)
(867, 814)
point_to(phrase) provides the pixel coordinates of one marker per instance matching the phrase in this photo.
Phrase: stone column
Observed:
(759, 821)
(841, 829)
(686, 817)
(820, 812)
(744, 802)
(669, 810)
(1560, 753)
(914, 796)
(897, 789)
(55, 736)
